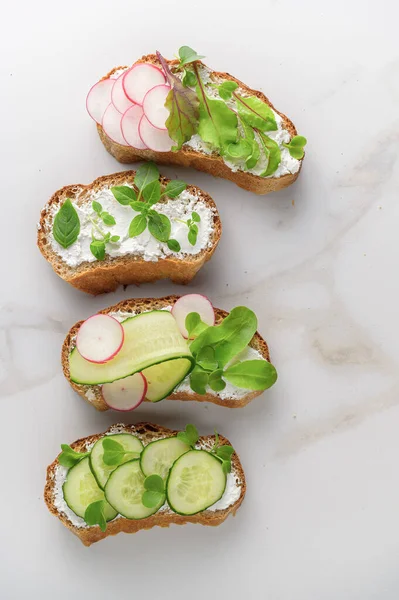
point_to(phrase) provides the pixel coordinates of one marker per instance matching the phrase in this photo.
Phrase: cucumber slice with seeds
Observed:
(196, 481)
(158, 457)
(124, 490)
(80, 489)
(151, 338)
(100, 470)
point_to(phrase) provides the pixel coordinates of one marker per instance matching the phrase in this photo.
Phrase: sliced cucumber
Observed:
(124, 490)
(158, 457)
(195, 482)
(162, 379)
(100, 470)
(80, 489)
(150, 338)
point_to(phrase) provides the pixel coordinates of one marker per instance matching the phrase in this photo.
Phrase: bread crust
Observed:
(146, 432)
(188, 157)
(106, 276)
(141, 305)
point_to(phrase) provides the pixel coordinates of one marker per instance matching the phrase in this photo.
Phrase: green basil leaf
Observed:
(189, 79)
(256, 113)
(152, 499)
(251, 374)
(183, 106)
(216, 382)
(159, 226)
(137, 225)
(173, 245)
(96, 206)
(192, 235)
(69, 457)
(195, 217)
(124, 194)
(188, 55)
(108, 219)
(115, 238)
(97, 248)
(174, 188)
(152, 192)
(94, 515)
(66, 226)
(147, 173)
(272, 153)
(230, 337)
(154, 483)
(138, 206)
(199, 380)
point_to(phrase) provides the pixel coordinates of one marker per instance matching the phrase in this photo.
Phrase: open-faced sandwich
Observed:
(134, 477)
(182, 112)
(129, 227)
(176, 348)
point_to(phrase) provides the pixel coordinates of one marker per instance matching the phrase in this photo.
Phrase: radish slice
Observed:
(118, 96)
(99, 338)
(140, 79)
(193, 303)
(154, 106)
(125, 394)
(154, 138)
(111, 124)
(130, 126)
(98, 98)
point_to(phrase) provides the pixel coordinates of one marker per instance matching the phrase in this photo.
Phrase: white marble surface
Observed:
(318, 262)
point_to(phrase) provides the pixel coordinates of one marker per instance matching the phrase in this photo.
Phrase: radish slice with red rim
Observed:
(130, 127)
(193, 303)
(155, 139)
(99, 338)
(141, 78)
(98, 98)
(125, 394)
(118, 96)
(111, 124)
(154, 106)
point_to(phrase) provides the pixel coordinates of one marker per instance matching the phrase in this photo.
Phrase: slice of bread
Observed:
(105, 276)
(147, 433)
(92, 393)
(209, 163)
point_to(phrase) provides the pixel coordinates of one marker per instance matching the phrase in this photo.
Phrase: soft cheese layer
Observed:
(144, 245)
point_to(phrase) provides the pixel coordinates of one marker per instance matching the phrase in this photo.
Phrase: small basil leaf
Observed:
(195, 217)
(124, 194)
(107, 219)
(138, 206)
(174, 188)
(192, 235)
(159, 226)
(145, 174)
(114, 238)
(137, 225)
(152, 192)
(97, 248)
(66, 226)
(96, 206)
(173, 245)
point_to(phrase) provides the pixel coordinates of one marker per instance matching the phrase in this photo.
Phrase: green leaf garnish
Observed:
(223, 453)
(189, 79)
(216, 382)
(137, 225)
(124, 194)
(69, 457)
(195, 217)
(251, 374)
(256, 113)
(115, 453)
(206, 358)
(155, 491)
(194, 325)
(296, 145)
(107, 219)
(159, 226)
(96, 206)
(218, 125)
(173, 245)
(154, 483)
(188, 55)
(241, 149)
(66, 226)
(189, 436)
(97, 248)
(146, 174)
(272, 153)
(152, 192)
(174, 188)
(192, 234)
(94, 514)
(226, 89)
(230, 337)
(199, 380)
(183, 106)
(114, 238)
